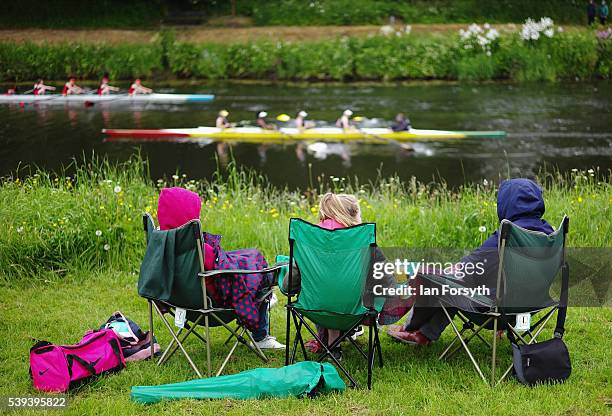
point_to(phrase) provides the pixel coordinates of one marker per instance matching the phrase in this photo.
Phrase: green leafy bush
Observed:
(28, 61)
(398, 56)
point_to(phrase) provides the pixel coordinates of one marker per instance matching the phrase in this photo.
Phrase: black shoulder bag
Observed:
(548, 361)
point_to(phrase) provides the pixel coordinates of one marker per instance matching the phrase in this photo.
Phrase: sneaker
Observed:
(270, 343)
(359, 331)
(273, 300)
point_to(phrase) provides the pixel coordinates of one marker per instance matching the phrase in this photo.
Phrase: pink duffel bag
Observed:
(58, 368)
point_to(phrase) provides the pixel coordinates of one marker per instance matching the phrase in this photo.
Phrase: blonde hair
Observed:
(342, 208)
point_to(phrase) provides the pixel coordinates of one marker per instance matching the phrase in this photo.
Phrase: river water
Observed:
(550, 127)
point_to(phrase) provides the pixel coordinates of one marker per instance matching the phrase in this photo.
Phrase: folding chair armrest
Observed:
(212, 273)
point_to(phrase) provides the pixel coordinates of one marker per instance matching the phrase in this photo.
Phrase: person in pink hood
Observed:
(178, 206)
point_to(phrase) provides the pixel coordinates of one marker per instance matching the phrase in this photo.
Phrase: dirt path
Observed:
(215, 34)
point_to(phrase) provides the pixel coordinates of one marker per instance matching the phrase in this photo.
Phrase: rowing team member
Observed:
(345, 120)
(40, 88)
(105, 88)
(300, 121)
(222, 121)
(261, 121)
(138, 88)
(402, 123)
(70, 88)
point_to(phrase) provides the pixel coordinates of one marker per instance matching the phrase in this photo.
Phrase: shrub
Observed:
(28, 61)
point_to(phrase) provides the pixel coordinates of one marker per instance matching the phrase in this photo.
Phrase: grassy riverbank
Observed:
(398, 55)
(59, 277)
(51, 220)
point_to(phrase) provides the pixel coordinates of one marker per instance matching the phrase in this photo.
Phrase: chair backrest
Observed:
(172, 261)
(334, 266)
(530, 262)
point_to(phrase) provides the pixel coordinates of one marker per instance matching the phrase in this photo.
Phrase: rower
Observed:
(70, 88)
(300, 123)
(222, 121)
(138, 88)
(105, 88)
(10, 91)
(345, 120)
(261, 121)
(40, 88)
(402, 123)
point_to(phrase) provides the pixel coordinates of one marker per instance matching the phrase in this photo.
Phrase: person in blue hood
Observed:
(519, 201)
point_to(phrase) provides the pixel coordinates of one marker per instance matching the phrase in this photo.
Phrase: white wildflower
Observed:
(387, 30)
(549, 32)
(482, 229)
(19, 229)
(98, 233)
(106, 247)
(117, 189)
(175, 177)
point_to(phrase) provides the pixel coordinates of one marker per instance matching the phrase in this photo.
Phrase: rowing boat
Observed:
(256, 134)
(114, 98)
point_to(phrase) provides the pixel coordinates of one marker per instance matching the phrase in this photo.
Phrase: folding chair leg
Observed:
(231, 335)
(328, 351)
(370, 356)
(151, 329)
(298, 340)
(179, 344)
(167, 354)
(449, 346)
(256, 348)
(207, 336)
(171, 347)
(377, 345)
(493, 355)
(250, 345)
(540, 326)
(467, 350)
(230, 354)
(288, 335)
(475, 333)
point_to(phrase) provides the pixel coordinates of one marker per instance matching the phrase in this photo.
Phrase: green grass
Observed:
(57, 281)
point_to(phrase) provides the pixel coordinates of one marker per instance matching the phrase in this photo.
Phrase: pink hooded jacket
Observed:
(330, 224)
(178, 206)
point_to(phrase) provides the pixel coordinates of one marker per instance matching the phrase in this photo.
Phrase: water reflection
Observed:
(550, 126)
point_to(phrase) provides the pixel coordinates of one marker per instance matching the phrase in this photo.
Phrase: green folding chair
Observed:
(172, 278)
(529, 261)
(334, 266)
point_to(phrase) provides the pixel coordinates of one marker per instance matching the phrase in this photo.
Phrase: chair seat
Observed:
(224, 314)
(331, 320)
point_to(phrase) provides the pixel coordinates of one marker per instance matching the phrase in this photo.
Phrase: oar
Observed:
(403, 146)
(28, 91)
(119, 95)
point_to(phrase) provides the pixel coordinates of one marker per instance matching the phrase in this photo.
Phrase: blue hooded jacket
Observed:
(519, 201)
